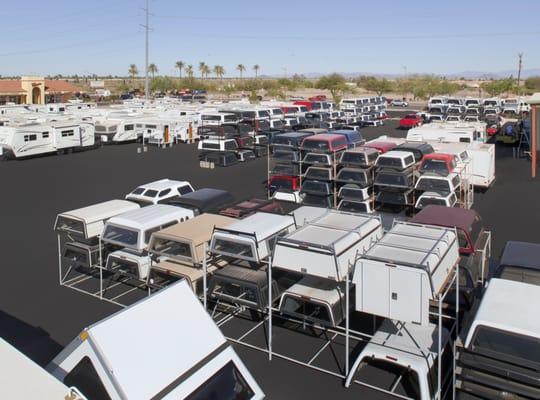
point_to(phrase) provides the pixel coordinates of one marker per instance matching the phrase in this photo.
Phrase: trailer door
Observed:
(406, 295)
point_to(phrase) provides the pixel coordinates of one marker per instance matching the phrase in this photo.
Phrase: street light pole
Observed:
(147, 28)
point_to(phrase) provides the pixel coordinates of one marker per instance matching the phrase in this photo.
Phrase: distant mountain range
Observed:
(464, 74)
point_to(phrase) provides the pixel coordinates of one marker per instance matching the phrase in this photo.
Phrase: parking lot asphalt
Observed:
(39, 316)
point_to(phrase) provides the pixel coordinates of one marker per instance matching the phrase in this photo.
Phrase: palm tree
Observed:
(206, 70)
(219, 71)
(133, 71)
(189, 71)
(179, 66)
(152, 68)
(241, 68)
(202, 68)
(256, 68)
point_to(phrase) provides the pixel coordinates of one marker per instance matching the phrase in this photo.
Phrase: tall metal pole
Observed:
(520, 57)
(147, 28)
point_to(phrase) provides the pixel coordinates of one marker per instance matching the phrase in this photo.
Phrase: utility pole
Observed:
(147, 29)
(520, 57)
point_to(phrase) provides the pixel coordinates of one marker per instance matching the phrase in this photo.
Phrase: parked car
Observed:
(158, 192)
(399, 103)
(410, 121)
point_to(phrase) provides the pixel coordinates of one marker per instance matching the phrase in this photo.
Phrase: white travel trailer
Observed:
(117, 130)
(179, 251)
(22, 378)
(405, 270)
(327, 246)
(132, 231)
(252, 238)
(182, 354)
(161, 130)
(42, 138)
(445, 133)
(402, 361)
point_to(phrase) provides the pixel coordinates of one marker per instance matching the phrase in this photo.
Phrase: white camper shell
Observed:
(87, 222)
(327, 246)
(185, 354)
(252, 238)
(410, 266)
(402, 359)
(396, 159)
(158, 191)
(180, 250)
(133, 229)
(22, 378)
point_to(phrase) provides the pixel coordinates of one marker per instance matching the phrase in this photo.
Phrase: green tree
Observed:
(241, 68)
(378, 86)
(532, 83)
(162, 84)
(153, 69)
(133, 71)
(179, 65)
(189, 71)
(335, 83)
(219, 71)
(256, 68)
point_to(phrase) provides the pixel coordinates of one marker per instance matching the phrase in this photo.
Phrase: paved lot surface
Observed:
(40, 317)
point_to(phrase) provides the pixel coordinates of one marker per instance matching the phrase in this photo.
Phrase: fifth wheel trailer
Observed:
(155, 349)
(405, 270)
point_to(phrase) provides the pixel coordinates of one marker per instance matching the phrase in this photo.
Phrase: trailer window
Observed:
(68, 133)
(184, 189)
(121, 235)
(30, 138)
(389, 376)
(129, 127)
(226, 384)
(85, 378)
(45, 135)
(515, 346)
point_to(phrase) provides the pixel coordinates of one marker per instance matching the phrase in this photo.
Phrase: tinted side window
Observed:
(409, 160)
(85, 378)
(226, 384)
(184, 190)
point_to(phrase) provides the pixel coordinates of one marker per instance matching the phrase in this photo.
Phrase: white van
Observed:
(181, 354)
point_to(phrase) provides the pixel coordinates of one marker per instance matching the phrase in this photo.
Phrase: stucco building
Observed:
(35, 90)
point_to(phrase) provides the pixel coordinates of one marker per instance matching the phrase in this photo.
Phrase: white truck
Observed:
(132, 231)
(189, 356)
(403, 272)
(327, 246)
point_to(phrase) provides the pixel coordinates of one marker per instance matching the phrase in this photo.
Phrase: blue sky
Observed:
(105, 36)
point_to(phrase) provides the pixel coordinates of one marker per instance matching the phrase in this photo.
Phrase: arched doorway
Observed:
(36, 95)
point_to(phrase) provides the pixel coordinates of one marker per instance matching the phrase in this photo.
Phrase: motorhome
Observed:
(158, 192)
(327, 246)
(42, 138)
(80, 230)
(402, 361)
(252, 238)
(132, 231)
(497, 355)
(178, 251)
(404, 271)
(196, 362)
